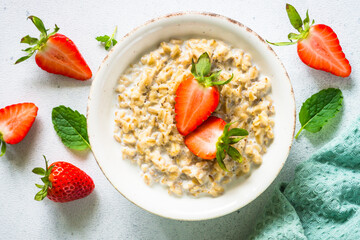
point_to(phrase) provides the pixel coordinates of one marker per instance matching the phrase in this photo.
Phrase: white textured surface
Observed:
(105, 214)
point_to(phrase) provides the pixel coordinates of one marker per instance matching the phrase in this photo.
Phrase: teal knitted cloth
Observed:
(323, 199)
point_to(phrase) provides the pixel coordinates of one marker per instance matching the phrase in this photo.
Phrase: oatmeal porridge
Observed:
(145, 117)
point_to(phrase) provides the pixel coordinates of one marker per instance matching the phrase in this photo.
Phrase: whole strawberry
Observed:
(63, 182)
(56, 53)
(317, 45)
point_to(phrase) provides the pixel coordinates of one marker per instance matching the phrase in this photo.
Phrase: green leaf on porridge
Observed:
(319, 108)
(201, 70)
(224, 142)
(108, 41)
(71, 127)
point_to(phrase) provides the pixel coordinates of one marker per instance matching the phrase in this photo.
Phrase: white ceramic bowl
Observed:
(125, 176)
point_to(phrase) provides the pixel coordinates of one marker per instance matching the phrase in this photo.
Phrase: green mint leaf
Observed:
(234, 154)
(39, 171)
(318, 109)
(238, 132)
(294, 17)
(3, 146)
(71, 127)
(29, 40)
(107, 45)
(281, 43)
(108, 41)
(103, 39)
(39, 186)
(38, 24)
(203, 65)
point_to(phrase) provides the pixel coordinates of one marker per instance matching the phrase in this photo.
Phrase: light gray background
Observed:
(105, 214)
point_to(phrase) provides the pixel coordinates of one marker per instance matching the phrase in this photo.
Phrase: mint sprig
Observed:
(302, 26)
(37, 43)
(223, 145)
(108, 41)
(318, 109)
(71, 127)
(201, 71)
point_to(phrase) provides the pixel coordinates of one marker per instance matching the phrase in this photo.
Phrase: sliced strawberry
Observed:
(63, 182)
(317, 45)
(16, 121)
(56, 53)
(197, 96)
(61, 56)
(194, 104)
(321, 50)
(213, 139)
(202, 141)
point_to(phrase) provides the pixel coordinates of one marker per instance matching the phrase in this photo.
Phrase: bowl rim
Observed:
(196, 13)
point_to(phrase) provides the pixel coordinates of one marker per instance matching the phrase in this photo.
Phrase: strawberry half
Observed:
(213, 139)
(15, 122)
(56, 53)
(63, 182)
(317, 45)
(197, 96)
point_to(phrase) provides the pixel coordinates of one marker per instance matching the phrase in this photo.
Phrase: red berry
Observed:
(15, 122)
(64, 182)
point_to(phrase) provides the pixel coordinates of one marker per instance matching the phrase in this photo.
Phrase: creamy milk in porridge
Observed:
(145, 118)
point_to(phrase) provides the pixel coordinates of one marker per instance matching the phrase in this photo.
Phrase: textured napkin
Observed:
(323, 200)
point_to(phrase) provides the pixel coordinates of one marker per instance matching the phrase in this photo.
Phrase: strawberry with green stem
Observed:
(55, 53)
(197, 96)
(317, 45)
(213, 139)
(63, 182)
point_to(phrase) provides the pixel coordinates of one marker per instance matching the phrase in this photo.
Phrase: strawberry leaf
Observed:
(238, 132)
(3, 146)
(38, 24)
(224, 82)
(203, 65)
(234, 154)
(294, 17)
(224, 142)
(319, 108)
(220, 156)
(24, 58)
(235, 140)
(71, 127)
(281, 43)
(39, 171)
(29, 40)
